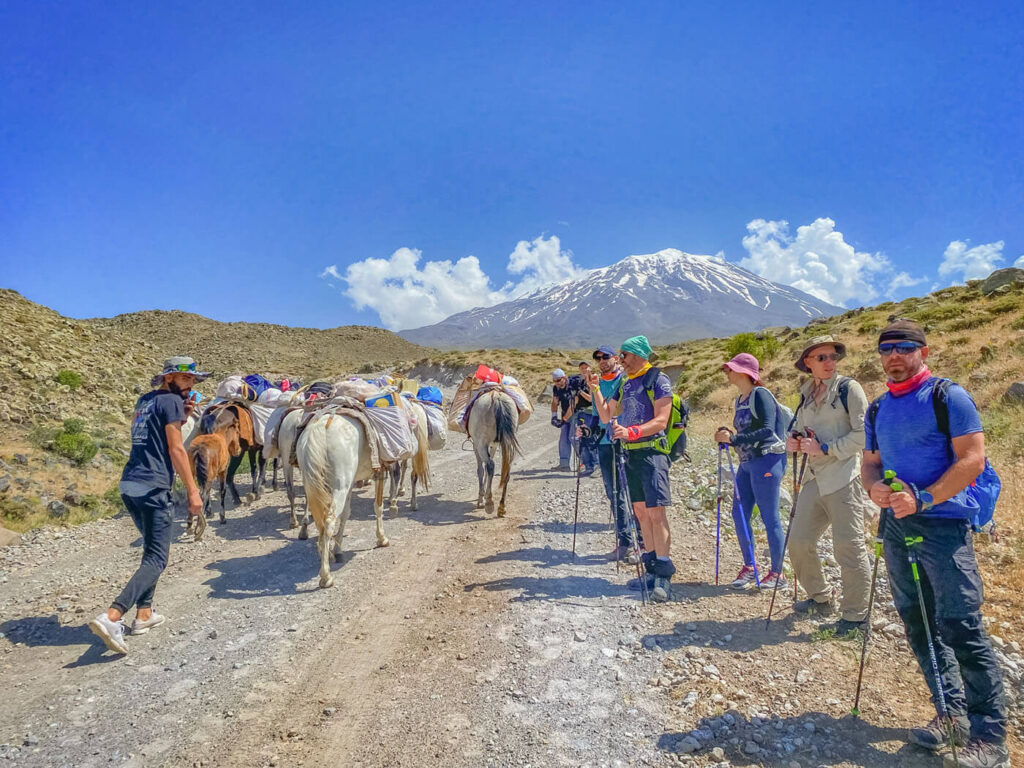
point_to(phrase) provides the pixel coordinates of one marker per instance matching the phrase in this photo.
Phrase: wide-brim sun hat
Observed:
(818, 341)
(745, 363)
(179, 364)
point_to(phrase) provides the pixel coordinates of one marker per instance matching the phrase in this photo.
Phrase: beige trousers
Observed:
(844, 510)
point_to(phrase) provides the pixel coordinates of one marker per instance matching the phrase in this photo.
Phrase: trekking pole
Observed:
(889, 475)
(620, 461)
(797, 482)
(576, 511)
(911, 542)
(747, 527)
(615, 500)
(718, 511)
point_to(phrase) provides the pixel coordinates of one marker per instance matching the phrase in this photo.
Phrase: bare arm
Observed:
(970, 461)
(662, 413)
(179, 460)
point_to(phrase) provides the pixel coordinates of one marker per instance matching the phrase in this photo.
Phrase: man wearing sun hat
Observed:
(830, 422)
(157, 453)
(936, 468)
(563, 397)
(643, 418)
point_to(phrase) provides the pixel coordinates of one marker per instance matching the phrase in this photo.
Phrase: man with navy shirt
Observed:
(935, 469)
(157, 452)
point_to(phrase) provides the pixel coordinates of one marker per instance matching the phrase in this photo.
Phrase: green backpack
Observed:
(673, 444)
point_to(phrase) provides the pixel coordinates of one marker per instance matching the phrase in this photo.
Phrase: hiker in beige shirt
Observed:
(830, 419)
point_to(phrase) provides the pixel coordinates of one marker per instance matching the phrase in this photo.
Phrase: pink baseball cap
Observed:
(747, 364)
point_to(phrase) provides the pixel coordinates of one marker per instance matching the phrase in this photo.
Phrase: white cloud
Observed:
(972, 263)
(818, 261)
(406, 295)
(1019, 263)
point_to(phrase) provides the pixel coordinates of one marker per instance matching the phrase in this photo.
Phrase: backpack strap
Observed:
(844, 393)
(872, 418)
(940, 404)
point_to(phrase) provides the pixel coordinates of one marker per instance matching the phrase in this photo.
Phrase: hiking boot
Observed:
(637, 585)
(979, 754)
(744, 578)
(142, 627)
(110, 632)
(663, 568)
(586, 471)
(662, 591)
(768, 582)
(843, 627)
(812, 607)
(934, 736)
(647, 560)
(631, 557)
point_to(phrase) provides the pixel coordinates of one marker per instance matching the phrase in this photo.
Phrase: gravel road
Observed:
(470, 641)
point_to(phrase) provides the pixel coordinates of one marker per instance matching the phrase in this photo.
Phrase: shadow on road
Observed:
(747, 634)
(544, 557)
(39, 631)
(812, 738)
(550, 588)
(275, 573)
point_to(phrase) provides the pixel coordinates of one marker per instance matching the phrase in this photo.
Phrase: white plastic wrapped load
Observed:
(437, 426)
(470, 390)
(522, 401)
(260, 417)
(270, 432)
(230, 388)
(396, 440)
(358, 389)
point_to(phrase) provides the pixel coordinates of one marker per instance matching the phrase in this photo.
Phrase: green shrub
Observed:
(69, 379)
(969, 321)
(763, 349)
(1018, 324)
(701, 392)
(937, 313)
(76, 446)
(113, 498)
(1004, 305)
(74, 426)
(42, 437)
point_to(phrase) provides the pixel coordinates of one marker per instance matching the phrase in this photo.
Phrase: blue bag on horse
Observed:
(429, 395)
(258, 384)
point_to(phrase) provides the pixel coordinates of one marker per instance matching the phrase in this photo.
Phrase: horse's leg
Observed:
(341, 527)
(401, 479)
(506, 471)
(256, 466)
(289, 487)
(233, 465)
(412, 502)
(273, 481)
(323, 545)
(378, 509)
(394, 489)
(479, 478)
(489, 497)
(222, 499)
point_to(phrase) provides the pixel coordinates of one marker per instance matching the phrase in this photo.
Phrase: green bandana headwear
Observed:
(637, 345)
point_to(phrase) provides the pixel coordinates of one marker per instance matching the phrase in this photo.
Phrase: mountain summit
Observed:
(669, 296)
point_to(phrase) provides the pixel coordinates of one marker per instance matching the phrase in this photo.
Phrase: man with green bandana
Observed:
(643, 406)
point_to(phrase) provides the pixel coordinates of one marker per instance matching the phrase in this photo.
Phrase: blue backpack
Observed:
(986, 487)
(258, 384)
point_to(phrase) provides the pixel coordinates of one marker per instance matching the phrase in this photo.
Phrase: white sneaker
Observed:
(110, 632)
(142, 627)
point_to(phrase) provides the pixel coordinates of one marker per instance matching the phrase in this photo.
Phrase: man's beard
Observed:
(173, 387)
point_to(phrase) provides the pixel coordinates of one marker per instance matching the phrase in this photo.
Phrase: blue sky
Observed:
(219, 157)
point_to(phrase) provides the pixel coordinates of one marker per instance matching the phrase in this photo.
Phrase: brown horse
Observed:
(209, 457)
(234, 421)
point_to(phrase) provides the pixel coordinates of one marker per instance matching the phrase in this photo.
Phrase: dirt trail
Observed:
(470, 641)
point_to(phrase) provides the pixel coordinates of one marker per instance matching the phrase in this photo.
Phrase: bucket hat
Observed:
(818, 341)
(178, 364)
(747, 364)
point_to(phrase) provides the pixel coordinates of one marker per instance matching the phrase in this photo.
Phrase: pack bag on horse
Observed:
(472, 387)
(437, 424)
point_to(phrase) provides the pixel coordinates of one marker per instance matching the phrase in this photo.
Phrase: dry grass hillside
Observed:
(58, 373)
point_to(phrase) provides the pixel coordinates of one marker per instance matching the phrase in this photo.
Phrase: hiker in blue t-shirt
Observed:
(608, 381)
(644, 409)
(762, 455)
(932, 515)
(157, 453)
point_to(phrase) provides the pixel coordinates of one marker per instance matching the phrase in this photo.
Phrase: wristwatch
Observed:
(926, 500)
(824, 448)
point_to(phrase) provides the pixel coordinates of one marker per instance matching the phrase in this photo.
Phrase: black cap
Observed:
(903, 330)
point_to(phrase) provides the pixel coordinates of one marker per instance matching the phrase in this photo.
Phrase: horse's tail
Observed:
(421, 459)
(201, 466)
(312, 455)
(506, 420)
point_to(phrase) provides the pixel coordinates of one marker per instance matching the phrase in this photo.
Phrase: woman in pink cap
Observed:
(762, 455)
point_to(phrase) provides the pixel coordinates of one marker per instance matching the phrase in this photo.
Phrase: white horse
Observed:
(333, 455)
(420, 461)
(493, 422)
(287, 432)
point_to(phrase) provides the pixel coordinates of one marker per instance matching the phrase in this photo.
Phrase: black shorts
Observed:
(647, 473)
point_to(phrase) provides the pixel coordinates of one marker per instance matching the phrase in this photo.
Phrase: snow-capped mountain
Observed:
(669, 296)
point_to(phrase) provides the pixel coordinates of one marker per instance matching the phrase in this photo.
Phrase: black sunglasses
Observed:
(899, 347)
(826, 356)
(602, 357)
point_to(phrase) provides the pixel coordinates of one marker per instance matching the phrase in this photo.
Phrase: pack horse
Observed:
(493, 422)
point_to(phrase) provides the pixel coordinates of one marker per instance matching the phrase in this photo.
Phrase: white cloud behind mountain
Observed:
(407, 292)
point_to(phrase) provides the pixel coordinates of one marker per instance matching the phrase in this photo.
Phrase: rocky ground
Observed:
(470, 641)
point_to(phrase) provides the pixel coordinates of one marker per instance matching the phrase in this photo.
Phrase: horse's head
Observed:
(226, 424)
